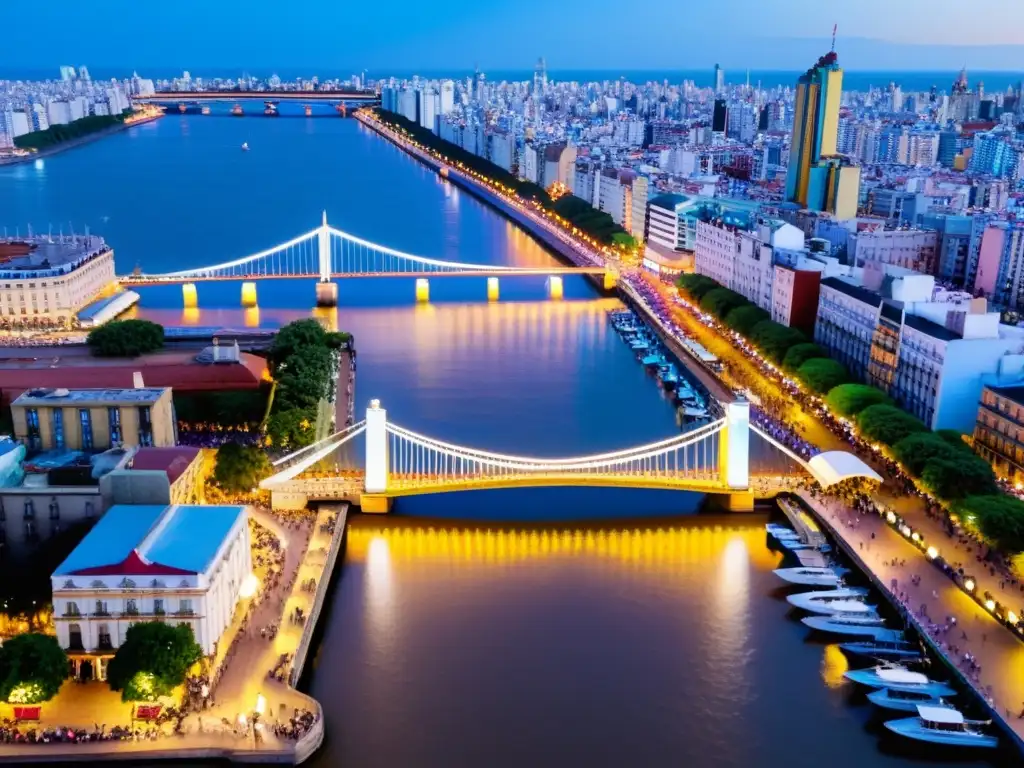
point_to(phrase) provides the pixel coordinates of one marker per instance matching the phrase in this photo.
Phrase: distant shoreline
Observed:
(72, 143)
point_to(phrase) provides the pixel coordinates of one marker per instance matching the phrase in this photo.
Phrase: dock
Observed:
(803, 524)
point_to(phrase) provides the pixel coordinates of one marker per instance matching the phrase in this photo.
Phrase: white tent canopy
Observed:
(833, 467)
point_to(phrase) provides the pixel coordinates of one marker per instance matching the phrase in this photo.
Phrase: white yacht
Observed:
(896, 677)
(827, 605)
(943, 725)
(812, 576)
(245, 146)
(859, 626)
(905, 701)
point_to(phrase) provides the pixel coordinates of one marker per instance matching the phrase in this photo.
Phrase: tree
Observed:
(743, 319)
(887, 424)
(696, 286)
(799, 354)
(153, 660)
(775, 340)
(955, 439)
(240, 468)
(959, 477)
(721, 301)
(915, 451)
(126, 338)
(820, 374)
(624, 240)
(850, 399)
(291, 429)
(32, 669)
(999, 517)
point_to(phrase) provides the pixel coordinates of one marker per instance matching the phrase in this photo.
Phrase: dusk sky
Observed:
(595, 34)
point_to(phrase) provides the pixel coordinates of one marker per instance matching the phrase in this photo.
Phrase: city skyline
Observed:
(915, 36)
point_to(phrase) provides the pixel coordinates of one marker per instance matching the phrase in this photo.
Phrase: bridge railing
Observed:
(294, 464)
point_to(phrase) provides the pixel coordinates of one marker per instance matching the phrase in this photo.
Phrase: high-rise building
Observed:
(447, 100)
(67, 73)
(719, 79)
(540, 78)
(720, 117)
(818, 178)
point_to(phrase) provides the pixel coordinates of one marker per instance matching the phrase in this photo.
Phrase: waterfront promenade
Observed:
(6, 160)
(900, 570)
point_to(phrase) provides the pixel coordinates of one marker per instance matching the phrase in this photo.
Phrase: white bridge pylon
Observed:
(325, 252)
(718, 451)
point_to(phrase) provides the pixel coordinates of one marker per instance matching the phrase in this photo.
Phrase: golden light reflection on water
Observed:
(833, 665)
(731, 549)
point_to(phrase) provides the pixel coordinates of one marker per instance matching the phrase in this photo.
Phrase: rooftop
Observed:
(933, 329)
(853, 291)
(56, 397)
(174, 461)
(1013, 392)
(147, 540)
(668, 201)
(34, 255)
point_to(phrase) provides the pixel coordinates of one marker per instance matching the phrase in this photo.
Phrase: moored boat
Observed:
(898, 678)
(858, 626)
(943, 725)
(811, 576)
(900, 650)
(829, 606)
(905, 701)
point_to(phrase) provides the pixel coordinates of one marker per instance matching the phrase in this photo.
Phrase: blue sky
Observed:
(502, 34)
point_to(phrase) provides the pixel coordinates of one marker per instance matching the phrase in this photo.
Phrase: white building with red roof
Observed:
(179, 564)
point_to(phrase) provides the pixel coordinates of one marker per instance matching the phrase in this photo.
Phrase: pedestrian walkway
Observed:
(912, 582)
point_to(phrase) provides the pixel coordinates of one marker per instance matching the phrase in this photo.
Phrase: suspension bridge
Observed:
(326, 253)
(712, 459)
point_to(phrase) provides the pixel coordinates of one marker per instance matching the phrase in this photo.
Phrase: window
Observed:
(58, 427)
(103, 633)
(101, 608)
(85, 419)
(185, 606)
(54, 509)
(158, 606)
(32, 425)
(145, 426)
(30, 509)
(114, 421)
(131, 607)
(90, 511)
(72, 609)
(75, 637)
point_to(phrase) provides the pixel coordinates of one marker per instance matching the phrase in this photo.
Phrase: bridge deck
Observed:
(515, 272)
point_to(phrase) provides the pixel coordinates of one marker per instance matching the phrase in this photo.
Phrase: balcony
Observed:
(185, 612)
(71, 613)
(104, 613)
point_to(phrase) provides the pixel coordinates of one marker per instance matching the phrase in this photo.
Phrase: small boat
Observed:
(205, 110)
(831, 606)
(898, 678)
(811, 576)
(905, 701)
(308, 110)
(795, 545)
(245, 146)
(896, 651)
(839, 593)
(855, 626)
(668, 376)
(943, 725)
(652, 361)
(236, 111)
(780, 531)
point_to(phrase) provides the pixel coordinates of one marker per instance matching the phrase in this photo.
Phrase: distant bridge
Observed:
(326, 253)
(713, 458)
(304, 96)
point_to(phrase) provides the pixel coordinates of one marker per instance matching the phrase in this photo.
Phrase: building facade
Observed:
(185, 565)
(999, 431)
(908, 248)
(94, 419)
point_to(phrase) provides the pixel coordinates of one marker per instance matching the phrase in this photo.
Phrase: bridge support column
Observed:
(376, 449)
(610, 281)
(327, 294)
(492, 289)
(189, 295)
(555, 287)
(734, 447)
(374, 503)
(422, 289)
(249, 295)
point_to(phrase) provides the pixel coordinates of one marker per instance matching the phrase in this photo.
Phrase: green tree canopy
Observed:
(153, 659)
(799, 354)
(292, 429)
(999, 517)
(32, 669)
(955, 439)
(744, 318)
(820, 374)
(624, 240)
(775, 340)
(721, 301)
(696, 286)
(126, 338)
(852, 398)
(887, 424)
(916, 450)
(960, 476)
(240, 468)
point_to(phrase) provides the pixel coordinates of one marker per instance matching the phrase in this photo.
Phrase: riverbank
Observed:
(77, 142)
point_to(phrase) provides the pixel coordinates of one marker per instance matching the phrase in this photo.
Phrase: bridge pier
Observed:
(555, 287)
(189, 295)
(326, 294)
(422, 289)
(734, 447)
(249, 295)
(492, 289)
(374, 503)
(742, 501)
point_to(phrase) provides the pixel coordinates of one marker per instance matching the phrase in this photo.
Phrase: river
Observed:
(471, 642)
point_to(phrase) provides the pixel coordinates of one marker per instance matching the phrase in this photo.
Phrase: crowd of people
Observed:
(15, 733)
(297, 725)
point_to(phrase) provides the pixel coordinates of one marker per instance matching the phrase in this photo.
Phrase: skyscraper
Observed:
(540, 78)
(719, 79)
(720, 117)
(818, 177)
